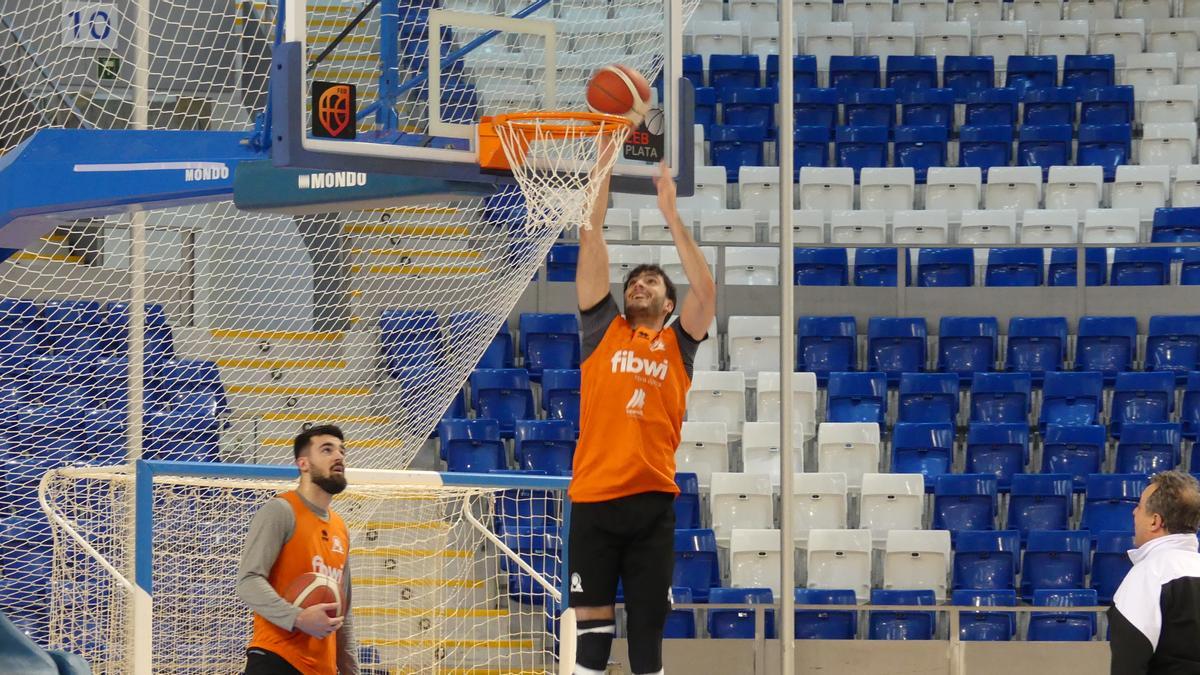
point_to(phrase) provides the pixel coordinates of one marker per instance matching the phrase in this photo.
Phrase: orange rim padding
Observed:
(491, 152)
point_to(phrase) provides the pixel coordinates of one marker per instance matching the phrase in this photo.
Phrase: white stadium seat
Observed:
(1036, 12)
(953, 189)
(975, 12)
(763, 38)
(804, 399)
(1050, 226)
(1060, 38)
(753, 344)
(758, 190)
(652, 225)
(988, 227)
(1189, 68)
(1001, 39)
(893, 38)
(920, 227)
(819, 503)
(718, 396)
(703, 450)
(754, 559)
(751, 266)
(618, 224)
(917, 559)
(891, 501)
(840, 559)
(740, 500)
(727, 225)
(1170, 144)
(1074, 187)
(949, 38)
(808, 227)
(812, 12)
(1185, 191)
(886, 189)
(826, 189)
(668, 259)
(707, 352)
(1013, 187)
(865, 13)
(753, 11)
(1143, 71)
(828, 39)
(1141, 187)
(1090, 10)
(858, 227)
(715, 37)
(710, 190)
(1168, 103)
(851, 448)
(1173, 35)
(709, 10)
(1144, 9)
(1120, 37)
(1111, 226)
(622, 259)
(922, 12)
(760, 450)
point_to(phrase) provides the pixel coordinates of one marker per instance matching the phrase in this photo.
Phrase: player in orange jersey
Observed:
(636, 372)
(295, 533)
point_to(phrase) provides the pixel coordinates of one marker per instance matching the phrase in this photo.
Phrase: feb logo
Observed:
(334, 110)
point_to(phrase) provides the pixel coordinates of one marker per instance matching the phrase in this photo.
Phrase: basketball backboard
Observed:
(352, 87)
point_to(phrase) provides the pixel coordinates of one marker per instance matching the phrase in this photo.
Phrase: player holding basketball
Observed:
(294, 534)
(636, 372)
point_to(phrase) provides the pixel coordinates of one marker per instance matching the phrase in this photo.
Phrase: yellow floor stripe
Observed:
(409, 612)
(55, 238)
(432, 270)
(415, 253)
(352, 443)
(403, 230)
(26, 256)
(388, 581)
(283, 364)
(298, 335)
(298, 391)
(296, 417)
(413, 552)
(494, 644)
(404, 524)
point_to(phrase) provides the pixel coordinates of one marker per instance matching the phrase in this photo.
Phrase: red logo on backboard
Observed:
(334, 110)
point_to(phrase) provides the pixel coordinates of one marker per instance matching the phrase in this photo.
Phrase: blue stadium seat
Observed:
(908, 73)
(876, 267)
(502, 394)
(826, 344)
(945, 267)
(804, 71)
(549, 341)
(736, 146)
(159, 342)
(1040, 501)
(541, 551)
(105, 434)
(545, 445)
(811, 145)
(706, 108)
(749, 107)
(1065, 627)
(561, 261)
(1178, 224)
(1110, 563)
(1141, 397)
(1106, 344)
(1030, 72)
(1044, 145)
(1072, 398)
(1088, 71)
(1110, 499)
(986, 560)
(965, 74)
(901, 625)
(992, 107)
(1078, 451)
(1014, 267)
(687, 503)
(825, 625)
(1036, 345)
(928, 397)
(896, 345)
(523, 511)
(964, 502)
(18, 313)
(857, 397)
(821, 267)
(189, 381)
(696, 562)
(927, 107)
(732, 71)
(724, 624)
(499, 352)
(65, 317)
(681, 623)
(1142, 266)
(816, 107)
(1189, 269)
(1106, 105)
(861, 147)
(110, 384)
(1189, 411)
(1105, 145)
(1149, 447)
(560, 395)
(967, 344)
(1050, 106)
(1000, 397)
(1063, 270)
(411, 341)
(185, 432)
(58, 380)
(986, 626)
(923, 448)
(1173, 344)
(869, 107)
(693, 69)
(504, 208)
(1055, 559)
(985, 147)
(853, 72)
(919, 148)
(998, 449)
(471, 445)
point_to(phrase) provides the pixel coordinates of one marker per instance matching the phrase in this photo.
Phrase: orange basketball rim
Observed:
(526, 126)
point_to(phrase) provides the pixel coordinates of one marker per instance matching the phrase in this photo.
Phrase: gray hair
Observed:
(1177, 501)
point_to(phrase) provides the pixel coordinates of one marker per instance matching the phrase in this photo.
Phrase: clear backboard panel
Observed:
(363, 87)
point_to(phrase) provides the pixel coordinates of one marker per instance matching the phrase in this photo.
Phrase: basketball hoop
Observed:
(559, 159)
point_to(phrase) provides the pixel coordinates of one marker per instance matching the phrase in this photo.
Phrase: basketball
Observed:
(619, 90)
(311, 588)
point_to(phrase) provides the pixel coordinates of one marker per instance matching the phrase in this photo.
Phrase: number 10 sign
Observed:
(89, 25)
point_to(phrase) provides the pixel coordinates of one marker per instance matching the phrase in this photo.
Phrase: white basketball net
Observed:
(560, 164)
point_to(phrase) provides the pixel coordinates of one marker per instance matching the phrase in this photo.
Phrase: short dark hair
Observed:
(651, 269)
(1177, 501)
(304, 438)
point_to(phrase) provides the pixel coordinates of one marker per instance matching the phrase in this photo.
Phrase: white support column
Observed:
(784, 148)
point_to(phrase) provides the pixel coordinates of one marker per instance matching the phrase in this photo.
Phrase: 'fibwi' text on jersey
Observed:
(633, 396)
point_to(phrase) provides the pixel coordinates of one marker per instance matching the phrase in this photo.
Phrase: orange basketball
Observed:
(311, 588)
(619, 90)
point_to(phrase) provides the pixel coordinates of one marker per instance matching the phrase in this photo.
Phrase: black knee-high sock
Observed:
(593, 644)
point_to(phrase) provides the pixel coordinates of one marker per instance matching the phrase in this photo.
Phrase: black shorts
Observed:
(262, 662)
(630, 538)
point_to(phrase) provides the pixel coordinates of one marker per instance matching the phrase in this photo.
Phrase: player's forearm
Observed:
(695, 267)
(591, 269)
(257, 593)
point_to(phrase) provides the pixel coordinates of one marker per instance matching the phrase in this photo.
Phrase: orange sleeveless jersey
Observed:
(633, 396)
(315, 546)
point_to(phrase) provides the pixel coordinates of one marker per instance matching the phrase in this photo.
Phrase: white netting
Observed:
(560, 163)
(432, 593)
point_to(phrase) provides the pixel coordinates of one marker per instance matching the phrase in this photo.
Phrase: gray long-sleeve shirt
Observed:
(270, 529)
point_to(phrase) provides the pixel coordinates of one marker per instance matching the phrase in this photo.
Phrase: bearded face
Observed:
(646, 298)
